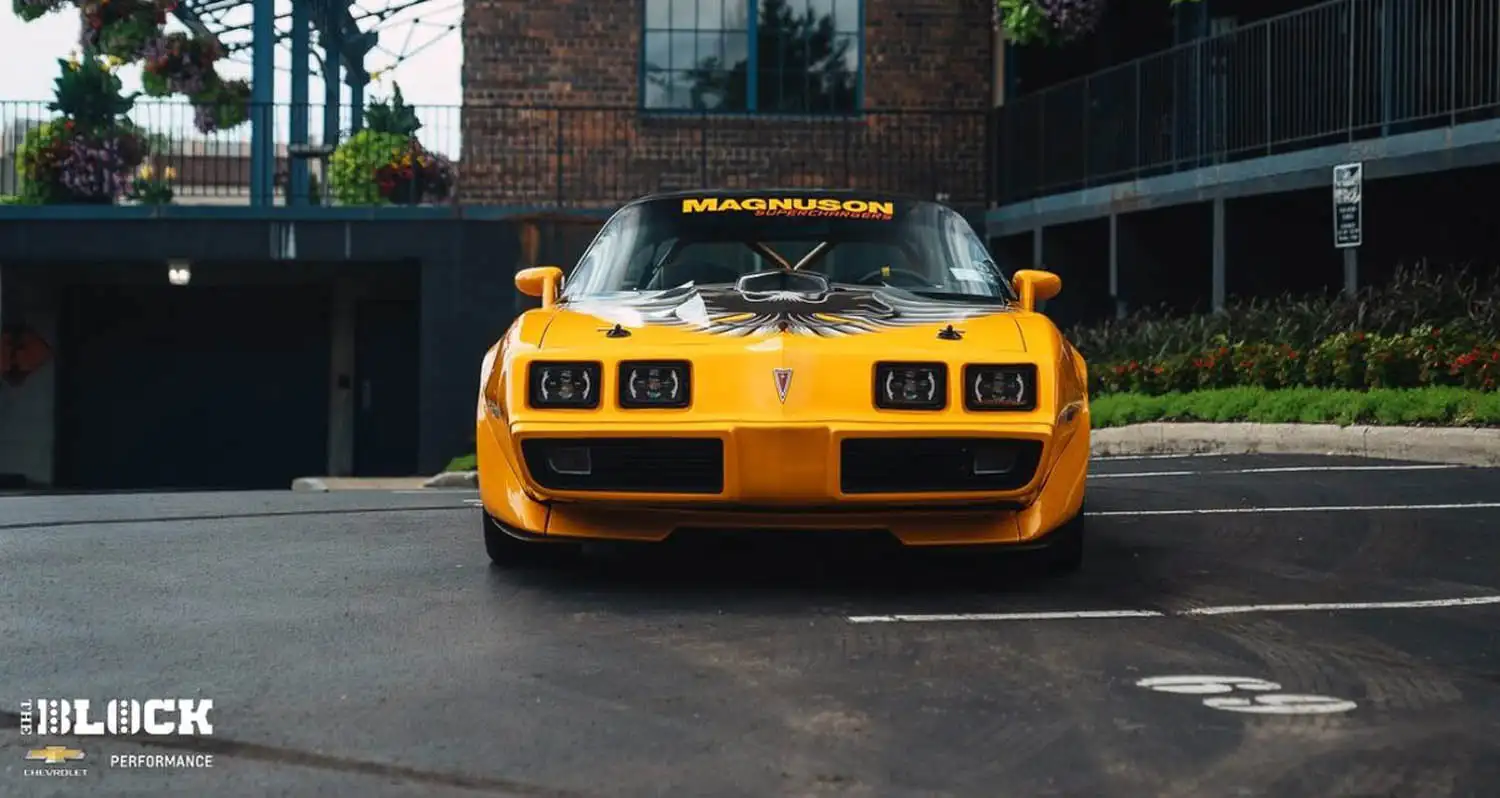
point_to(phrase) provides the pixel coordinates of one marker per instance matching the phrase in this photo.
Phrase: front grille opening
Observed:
(936, 465)
(627, 465)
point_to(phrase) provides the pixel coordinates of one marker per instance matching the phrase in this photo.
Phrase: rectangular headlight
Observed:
(911, 386)
(1000, 387)
(665, 383)
(571, 385)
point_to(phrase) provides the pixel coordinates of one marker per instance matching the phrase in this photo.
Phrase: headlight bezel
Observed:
(623, 376)
(535, 374)
(973, 372)
(939, 374)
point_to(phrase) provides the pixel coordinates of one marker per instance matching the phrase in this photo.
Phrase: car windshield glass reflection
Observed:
(920, 247)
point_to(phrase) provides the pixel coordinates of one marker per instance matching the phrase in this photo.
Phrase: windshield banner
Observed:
(793, 206)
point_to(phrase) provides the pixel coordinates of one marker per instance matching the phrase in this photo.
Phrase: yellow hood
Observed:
(883, 321)
(737, 344)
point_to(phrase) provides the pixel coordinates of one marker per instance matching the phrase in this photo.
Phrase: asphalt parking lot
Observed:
(1330, 627)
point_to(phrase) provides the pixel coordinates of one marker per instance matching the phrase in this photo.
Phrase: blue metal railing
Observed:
(1335, 72)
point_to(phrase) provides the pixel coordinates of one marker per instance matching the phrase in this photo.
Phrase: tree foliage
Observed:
(1052, 21)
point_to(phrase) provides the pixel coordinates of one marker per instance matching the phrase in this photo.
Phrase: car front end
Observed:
(938, 442)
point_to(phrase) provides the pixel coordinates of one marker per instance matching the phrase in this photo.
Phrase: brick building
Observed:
(591, 102)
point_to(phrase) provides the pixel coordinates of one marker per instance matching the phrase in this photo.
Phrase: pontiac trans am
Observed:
(784, 360)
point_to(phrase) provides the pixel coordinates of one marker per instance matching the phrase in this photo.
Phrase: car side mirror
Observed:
(1034, 285)
(540, 281)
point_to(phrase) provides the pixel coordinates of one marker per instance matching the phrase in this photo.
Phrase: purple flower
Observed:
(93, 170)
(206, 117)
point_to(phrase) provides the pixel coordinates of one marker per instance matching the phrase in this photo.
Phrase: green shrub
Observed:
(1423, 328)
(1440, 405)
(352, 168)
(1456, 300)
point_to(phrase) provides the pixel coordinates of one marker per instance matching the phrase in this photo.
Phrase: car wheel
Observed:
(1065, 550)
(508, 551)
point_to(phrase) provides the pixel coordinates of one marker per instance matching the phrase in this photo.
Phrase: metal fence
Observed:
(201, 168)
(1335, 72)
(555, 157)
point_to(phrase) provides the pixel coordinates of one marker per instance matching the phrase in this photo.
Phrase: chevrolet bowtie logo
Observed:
(54, 754)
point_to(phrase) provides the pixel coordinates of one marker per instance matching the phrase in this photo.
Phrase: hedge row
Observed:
(1454, 299)
(1426, 356)
(1422, 329)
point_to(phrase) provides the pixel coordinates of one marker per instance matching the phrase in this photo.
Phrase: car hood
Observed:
(885, 321)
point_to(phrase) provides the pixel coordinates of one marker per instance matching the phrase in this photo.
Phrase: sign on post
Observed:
(1348, 210)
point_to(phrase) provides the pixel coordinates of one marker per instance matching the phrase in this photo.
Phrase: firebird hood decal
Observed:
(723, 310)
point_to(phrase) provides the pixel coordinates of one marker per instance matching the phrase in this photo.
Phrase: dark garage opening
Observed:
(199, 387)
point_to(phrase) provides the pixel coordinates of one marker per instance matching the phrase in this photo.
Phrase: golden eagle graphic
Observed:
(828, 312)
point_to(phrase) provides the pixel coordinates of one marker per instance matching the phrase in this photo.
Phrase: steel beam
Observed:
(297, 187)
(262, 104)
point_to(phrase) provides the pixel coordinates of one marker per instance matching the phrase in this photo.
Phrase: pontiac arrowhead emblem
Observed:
(783, 382)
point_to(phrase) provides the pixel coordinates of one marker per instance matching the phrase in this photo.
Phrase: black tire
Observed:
(509, 551)
(1064, 551)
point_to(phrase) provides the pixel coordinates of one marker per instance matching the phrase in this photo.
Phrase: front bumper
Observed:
(791, 465)
(788, 477)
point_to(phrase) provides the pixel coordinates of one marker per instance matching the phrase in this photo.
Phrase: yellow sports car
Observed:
(784, 360)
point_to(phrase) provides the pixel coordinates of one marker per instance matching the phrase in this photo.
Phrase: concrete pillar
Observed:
(341, 389)
(1219, 255)
(1114, 266)
(28, 417)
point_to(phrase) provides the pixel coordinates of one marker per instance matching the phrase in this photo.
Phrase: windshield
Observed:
(921, 247)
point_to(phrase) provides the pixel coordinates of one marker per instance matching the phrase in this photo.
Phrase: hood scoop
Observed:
(783, 281)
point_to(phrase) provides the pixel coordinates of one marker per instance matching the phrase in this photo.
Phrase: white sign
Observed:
(1264, 700)
(1348, 205)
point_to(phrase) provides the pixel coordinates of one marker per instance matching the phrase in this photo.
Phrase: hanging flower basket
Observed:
(120, 28)
(178, 64)
(89, 153)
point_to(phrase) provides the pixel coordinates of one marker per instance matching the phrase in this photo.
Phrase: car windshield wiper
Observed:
(956, 296)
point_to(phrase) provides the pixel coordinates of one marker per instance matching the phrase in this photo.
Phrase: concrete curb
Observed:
(454, 479)
(326, 484)
(1453, 445)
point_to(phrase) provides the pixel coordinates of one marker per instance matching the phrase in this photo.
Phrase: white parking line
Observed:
(1280, 470)
(1122, 457)
(1348, 508)
(1008, 616)
(1239, 609)
(1472, 601)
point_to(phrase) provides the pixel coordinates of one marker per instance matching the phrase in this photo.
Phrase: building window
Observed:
(787, 57)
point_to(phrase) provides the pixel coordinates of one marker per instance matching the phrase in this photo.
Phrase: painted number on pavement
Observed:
(1262, 701)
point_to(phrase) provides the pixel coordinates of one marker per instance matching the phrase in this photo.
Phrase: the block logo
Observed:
(81, 717)
(53, 717)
